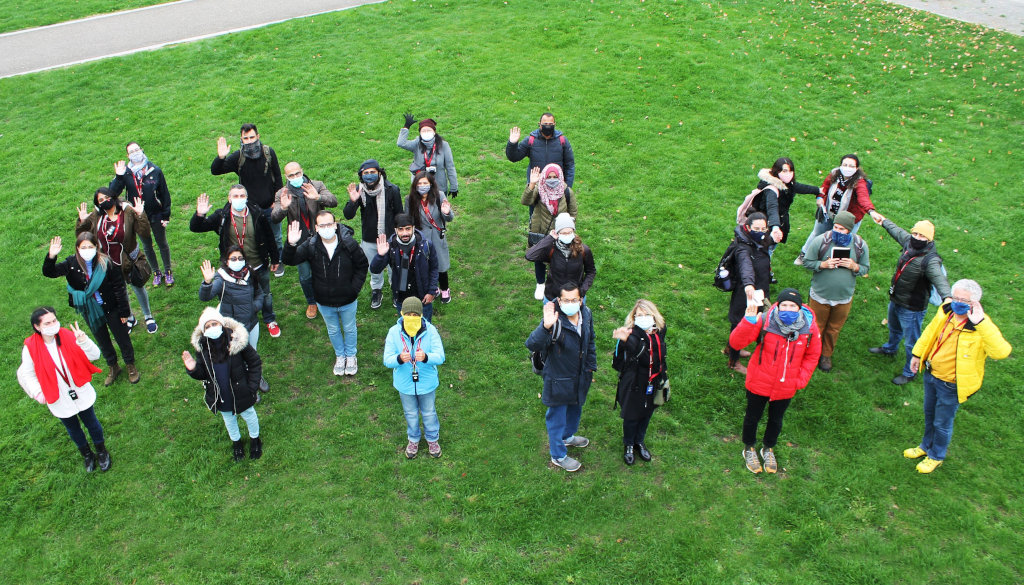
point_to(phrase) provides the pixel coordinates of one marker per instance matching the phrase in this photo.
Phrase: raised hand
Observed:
(222, 147)
(208, 271)
(83, 213)
(310, 192)
(382, 245)
(534, 176)
(409, 120)
(203, 205)
(55, 247)
(190, 362)
(120, 167)
(286, 199)
(977, 313)
(294, 233)
(446, 207)
(80, 335)
(139, 207)
(353, 192)
(513, 135)
(550, 315)
(622, 333)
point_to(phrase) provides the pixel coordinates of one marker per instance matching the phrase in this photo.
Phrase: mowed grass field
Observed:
(19, 14)
(671, 107)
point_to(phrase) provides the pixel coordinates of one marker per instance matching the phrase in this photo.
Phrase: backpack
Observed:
(858, 245)
(266, 160)
(935, 298)
(537, 358)
(561, 140)
(725, 280)
(753, 202)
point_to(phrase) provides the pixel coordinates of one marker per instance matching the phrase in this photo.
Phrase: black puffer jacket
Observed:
(754, 266)
(220, 222)
(578, 270)
(244, 364)
(111, 290)
(240, 299)
(634, 357)
(913, 287)
(338, 280)
(777, 208)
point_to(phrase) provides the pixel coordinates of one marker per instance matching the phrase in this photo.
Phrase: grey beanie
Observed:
(564, 220)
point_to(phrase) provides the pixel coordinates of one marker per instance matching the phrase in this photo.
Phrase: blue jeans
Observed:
(821, 227)
(940, 406)
(306, 282)
(275, 228)
(254, 335)
(87, 416)
(251, 421)
(562, 421)
(415, 405)
(263, 279)
(341, 327)
(906, 325)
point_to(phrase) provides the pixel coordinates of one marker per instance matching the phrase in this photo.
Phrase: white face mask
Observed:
(239, 204)
(566, 238)
(847, 171)
(426, 135)
(137, 157)
(326, 233)
(236, 265)
(569, 309)
(51, 330)
(644, 322)
(214, 332)
(87, 254)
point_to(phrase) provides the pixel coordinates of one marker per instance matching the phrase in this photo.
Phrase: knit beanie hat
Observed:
(925, 228)
(369, 164)
(412, 305)
(789, 294)
(428, 123)
(845, 219)
(210, 314)
(564, 220)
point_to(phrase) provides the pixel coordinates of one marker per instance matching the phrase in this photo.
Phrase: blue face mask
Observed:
(841, 239)
(239, 204)
(788, 317)
(370, 178)
(960, 308)
(296, 182)
(569, 309)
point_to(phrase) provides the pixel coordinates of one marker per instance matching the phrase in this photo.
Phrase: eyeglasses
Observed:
(968, 301)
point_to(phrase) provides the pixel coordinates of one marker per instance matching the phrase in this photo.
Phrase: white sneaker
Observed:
(539, 292)
(339, 366)
(350, 366)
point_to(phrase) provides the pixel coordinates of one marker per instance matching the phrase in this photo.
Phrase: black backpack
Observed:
(725, 277)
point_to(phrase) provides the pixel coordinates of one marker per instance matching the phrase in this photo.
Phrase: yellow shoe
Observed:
(914, 453)
(928, 465)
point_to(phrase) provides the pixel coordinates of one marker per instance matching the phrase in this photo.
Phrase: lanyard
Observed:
(62, 371)
(943, 336)
(138, 183)
(652, 344)
(900, 270)
(418, 344)
(234, 226)
(426, 210)
(412, 254)
(427, 161)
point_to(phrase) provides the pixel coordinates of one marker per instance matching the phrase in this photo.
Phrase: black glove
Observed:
(409, 120)
(453, 194)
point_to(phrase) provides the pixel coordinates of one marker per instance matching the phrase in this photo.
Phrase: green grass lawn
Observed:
(19, 14)
(672, 107)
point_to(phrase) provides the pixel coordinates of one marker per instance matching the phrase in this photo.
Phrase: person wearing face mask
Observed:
(952, 349)
(846, 188)
(413, 262)
(565, 341)
(918, 270)
(144, 180)
(339, 269)
(413, 350)
(754, 267)
(431, 154)
(543, 146)
(834, 279)
(378, 201)
(788, 346)
(639, 358)
(548, 188)
(56, 370)
(233, 285)
(96, 290)
(569, 260)
(230, 370)
(300, 201)
(241, 223)
(431, 212)
(782, 187)
(117, 226)
(258, 171)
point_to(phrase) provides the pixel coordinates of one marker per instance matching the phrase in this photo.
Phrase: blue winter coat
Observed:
(424, 269)
(426, 339)
(570, 359)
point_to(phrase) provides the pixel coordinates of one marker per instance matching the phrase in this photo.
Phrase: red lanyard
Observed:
(138, 183)
(900, 270)
(234, 226)
(62, 368)
(426, 210)
(943, 338)
(652, 344)
(412, 254)
(419, 344)
(427, 161)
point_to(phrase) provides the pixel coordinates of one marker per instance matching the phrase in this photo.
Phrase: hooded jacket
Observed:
(220, 222)
(337, 280)
(754, 267)
(579, 270)
(244, 365)
(543, 152)
(779, 365)
(922, 271)
(239, 298)
(399, 341)
(570, 359)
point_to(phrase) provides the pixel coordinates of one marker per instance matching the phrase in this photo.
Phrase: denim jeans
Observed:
(306, 282)
(263, 279)
(251, 421)
(87, 416)
(821, 227)
(562, 421)
(143, 297)
(254, 335)
(940, 406)
(415, 405)
(906, 325)
(160, 235)
(275, 228)
(341, 327)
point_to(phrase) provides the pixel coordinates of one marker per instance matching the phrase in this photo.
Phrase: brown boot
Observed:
(112, 374)
(740, 368)
(133, 373)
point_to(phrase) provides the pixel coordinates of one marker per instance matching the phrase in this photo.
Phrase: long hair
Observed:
(101, 258)
(649, 308)
(777, 167)
(108, 194)
(415, 199)
(835, 175)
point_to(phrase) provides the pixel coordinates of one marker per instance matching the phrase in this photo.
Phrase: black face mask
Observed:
(106, 205)
(547, 129)
(918, 244)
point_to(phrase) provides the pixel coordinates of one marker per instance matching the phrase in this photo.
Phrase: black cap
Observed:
(789, 294)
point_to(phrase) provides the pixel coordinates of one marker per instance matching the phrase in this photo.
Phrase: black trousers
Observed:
(124, 341)
(755, 408)
(634, 431)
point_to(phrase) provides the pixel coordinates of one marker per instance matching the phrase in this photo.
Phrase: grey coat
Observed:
(439, 244)
(447, 180)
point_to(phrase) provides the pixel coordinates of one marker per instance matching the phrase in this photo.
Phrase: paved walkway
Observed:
(144, 29)
(152, 27)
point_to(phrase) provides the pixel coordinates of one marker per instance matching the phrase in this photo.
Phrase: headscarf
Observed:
(550, 196)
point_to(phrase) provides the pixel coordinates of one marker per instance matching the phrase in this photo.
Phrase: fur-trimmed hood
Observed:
(767, 176)
(239, 336)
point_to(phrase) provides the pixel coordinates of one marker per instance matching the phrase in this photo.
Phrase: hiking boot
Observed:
(168, 278)
(914, 453)
(411, 449)
(901, 379)
(103, 458)
(770, 464)
(89, 461)
(112, 374)
(274, 330)
(158, 278)
(311, 311)
(627, 455)
(255, 448)
(351, 366)
(434, 448)
(750, 457)
(825, 363)
(446, 296)
(799, 260)
(881, 351)
(740, 368)
(339, 365)
(376, 298)
(538, 293)
(151, 326)
(133, 373)
(577, 441)
(238, 450)
(928, 465)
(567, 463)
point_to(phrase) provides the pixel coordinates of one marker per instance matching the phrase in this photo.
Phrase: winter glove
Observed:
(409, 120)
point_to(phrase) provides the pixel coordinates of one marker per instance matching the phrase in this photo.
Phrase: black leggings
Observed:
(442, 280)
(124, 341)
(755, 408)
(634, 431)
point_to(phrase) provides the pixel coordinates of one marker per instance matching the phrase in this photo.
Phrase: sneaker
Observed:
(770, 465)
(376, 299)
(538, 293)
(881, 351)
(351, 366)
(133, 373)
(274, 330)
(311, 311)
(131, 323)
(158, 278)
(901, 379)
(169, 278)
(773, 279)
(411, 450)
(339, 366)
(928, 465)
(434, 448)
(799, 260)
(914, 453)
(753, 463)
(280, 271)
(112, 374)
(577, 441)
(446, 296)
(151, 325)
(567, 463)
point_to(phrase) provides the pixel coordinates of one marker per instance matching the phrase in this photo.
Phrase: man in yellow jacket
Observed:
(953, 348)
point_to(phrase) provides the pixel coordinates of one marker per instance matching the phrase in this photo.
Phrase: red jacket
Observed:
(860, 200)
(778, 367)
